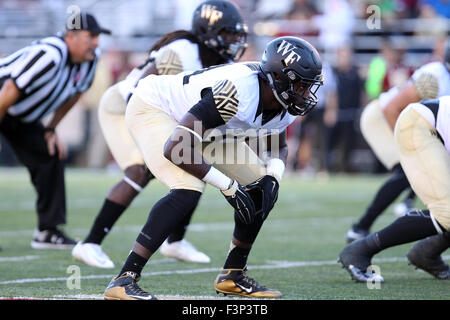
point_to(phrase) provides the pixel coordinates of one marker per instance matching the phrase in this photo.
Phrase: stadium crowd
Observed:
(327, 140)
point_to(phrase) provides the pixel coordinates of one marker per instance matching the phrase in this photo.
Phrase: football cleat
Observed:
(356, 233)
(184, 251)
(355, 259)
(51, 239)
(426, 255)
(92, 255)
(236, 282)
(125, 287)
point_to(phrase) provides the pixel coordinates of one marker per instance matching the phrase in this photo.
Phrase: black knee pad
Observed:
(166, 215)
(248, 232)
(184, 199)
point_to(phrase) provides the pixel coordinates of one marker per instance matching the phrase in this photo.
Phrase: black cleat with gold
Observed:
(236, 282)
(125, 287)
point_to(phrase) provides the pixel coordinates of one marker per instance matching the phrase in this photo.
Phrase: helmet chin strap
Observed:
(275, 93)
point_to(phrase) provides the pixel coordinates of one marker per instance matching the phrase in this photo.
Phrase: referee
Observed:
(47, 78)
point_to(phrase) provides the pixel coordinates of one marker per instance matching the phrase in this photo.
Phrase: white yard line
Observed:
(25, 258)
(100, 297)
(196, 227)
(24, 298)
(160, 297)
(12, 259)
(270, 265)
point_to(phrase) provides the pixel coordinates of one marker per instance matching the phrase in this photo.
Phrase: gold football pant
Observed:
(378, 135)
(425, 161)
(112, 121)
(150, 127)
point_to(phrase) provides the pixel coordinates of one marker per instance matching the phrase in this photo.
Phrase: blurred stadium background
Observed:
(371, 44)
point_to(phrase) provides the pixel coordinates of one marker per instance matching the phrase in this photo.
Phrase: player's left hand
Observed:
(55, 145)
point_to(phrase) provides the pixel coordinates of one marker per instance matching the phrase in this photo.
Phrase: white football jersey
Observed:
(442, 121)
(235, 90)
(442, 124)
(186, 51)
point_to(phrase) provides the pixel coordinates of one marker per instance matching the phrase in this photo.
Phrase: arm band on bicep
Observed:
(198, 136)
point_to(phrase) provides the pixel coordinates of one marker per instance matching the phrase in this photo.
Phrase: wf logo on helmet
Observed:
(210, 13)
(288, 50)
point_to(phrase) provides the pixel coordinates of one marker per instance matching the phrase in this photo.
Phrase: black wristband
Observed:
(48, 129)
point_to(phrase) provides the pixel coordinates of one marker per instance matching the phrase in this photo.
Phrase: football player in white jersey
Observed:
(192, 129)
(422, 137)
(377, 126)
(218, 36)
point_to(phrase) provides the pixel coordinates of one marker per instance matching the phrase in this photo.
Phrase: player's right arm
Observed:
(9, 94)
(216, 107)
(405, 96)
(182, 149)
(424, 84)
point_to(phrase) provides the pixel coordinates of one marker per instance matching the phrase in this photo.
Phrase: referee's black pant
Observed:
(47, 172)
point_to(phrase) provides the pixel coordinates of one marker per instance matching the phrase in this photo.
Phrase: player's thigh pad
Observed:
(150, 128)
(378, 135)
(425, 161)
(118, 138)
(235, 159)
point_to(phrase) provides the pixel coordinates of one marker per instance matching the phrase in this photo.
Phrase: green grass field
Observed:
(295, 252)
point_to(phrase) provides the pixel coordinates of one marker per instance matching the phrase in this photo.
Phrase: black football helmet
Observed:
(219, 25)
(293, 69)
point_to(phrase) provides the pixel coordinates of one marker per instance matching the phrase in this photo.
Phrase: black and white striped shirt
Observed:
(45, 76)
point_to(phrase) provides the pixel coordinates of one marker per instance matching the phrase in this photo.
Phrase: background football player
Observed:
(377, 126)
(175, 119)
(218, 35)
(422, 136)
